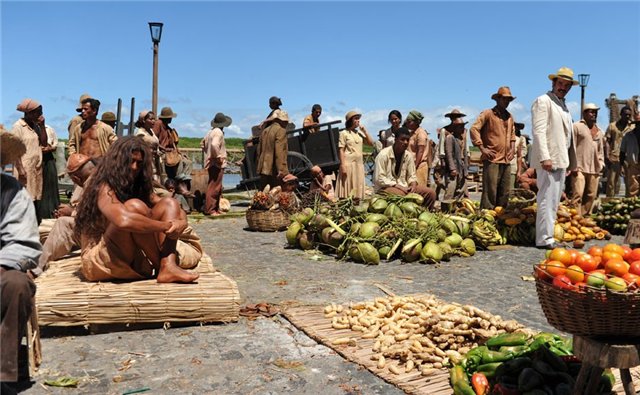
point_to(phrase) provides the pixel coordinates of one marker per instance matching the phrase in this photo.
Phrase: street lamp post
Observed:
(584, 80)
(156, 33)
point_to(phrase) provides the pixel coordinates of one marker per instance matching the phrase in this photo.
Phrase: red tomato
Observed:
(574, 255)
(631, 278)
(617, 267)
(595, 251)
(634, 268)
(562, 255)
(586, 262)
(633, 256)
(627, 252)
(562, 281)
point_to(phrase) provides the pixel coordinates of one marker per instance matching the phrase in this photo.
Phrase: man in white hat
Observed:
(493, 132)
(552, 152)
(588, 140)
(19, 252)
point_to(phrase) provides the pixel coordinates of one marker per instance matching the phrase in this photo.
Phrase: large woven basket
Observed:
(267, 220)
(594, 312)
(525, 198)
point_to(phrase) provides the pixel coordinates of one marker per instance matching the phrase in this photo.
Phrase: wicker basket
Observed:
(527, 196)
(267, 220)
(594, 312)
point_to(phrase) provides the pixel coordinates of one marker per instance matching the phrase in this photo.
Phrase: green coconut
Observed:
(369, 253)
(306, 240)
(442, 234)
(468, 246)
(355, 228)
(410, 209)
(393, 211)
(429, 218)
(368, 230)
(335, 239)
(360, 209)
(416, 198)
(292, 233)
(378, 205)
(325, 234)
(449, 226)
(379, 218)
(319, 221)
(304, 216)
(384, 251)
(447, 251)
(454, 240)
(431, 252)
(411, 250)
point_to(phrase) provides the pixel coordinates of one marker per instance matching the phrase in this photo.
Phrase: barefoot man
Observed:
(91, 137)
(126, 231)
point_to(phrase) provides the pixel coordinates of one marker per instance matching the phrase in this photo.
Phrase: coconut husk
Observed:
(11, 147)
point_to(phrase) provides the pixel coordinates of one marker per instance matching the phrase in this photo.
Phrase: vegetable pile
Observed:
(615, 214)
(516, 363)
(421, 333)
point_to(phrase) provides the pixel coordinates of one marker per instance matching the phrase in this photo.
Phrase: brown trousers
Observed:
(16, 293)
(428, 194)
(614, 171)
(214, 190)
(422, 173)
(496, 178)
(632, 179)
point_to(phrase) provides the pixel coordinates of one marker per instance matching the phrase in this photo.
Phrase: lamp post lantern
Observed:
(584, 81)
(156, 34)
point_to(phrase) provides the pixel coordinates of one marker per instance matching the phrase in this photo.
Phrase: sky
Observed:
(369, 56)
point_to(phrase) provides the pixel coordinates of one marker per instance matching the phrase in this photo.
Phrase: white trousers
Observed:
(550, 186)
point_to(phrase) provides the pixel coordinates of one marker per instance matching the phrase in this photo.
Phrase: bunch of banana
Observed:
(464, 207)
(521, 234)
(484, 233)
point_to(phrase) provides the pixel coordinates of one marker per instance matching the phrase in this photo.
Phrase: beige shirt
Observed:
(384, 173)
(32, 158)
(105, 133)
(419, 138)
(589, 149)
(215, 152)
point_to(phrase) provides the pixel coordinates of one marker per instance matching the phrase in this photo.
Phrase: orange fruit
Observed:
(607, 255)
(574, 255)
(554, 268)
(635, 267)
(595, 251)
(562, 255)
(611, 247)
(616, 267)
(575, 274)
(633, 256)
(631, 278)
(627, 252)
(586, 262)
(539, 271)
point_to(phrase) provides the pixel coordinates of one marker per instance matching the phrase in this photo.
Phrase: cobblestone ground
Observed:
(270, 356)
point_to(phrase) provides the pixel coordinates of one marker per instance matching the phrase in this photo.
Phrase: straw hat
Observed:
(351, 114)
(11, 147)
(76, 161)
(84, 96)
(455, 113)
(167, 112)
(455, 122)
(27, 105)
(564, 73)
(220, 121)
(590, 106)
(108, 116)
(503, 91)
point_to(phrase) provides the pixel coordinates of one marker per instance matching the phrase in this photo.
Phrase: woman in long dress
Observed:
(351, 175)
(50, 191)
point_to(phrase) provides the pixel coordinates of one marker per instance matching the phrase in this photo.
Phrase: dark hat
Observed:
(455, 113)
(275, 99)
(519, 125)
(108, 117)
(220, 121)
(167, 112)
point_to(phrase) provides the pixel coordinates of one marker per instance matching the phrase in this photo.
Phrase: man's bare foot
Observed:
(172, 273)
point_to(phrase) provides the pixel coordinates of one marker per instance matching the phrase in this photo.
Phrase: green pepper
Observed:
(489, 369)
(489, 356)
(460, 381)
(516, 351)
(508, 339)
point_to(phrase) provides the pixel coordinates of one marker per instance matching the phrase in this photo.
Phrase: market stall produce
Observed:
(614, 214)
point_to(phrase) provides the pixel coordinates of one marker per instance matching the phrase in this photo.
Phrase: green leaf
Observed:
(63, 381)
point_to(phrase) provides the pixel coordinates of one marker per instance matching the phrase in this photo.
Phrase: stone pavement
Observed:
(269, 355)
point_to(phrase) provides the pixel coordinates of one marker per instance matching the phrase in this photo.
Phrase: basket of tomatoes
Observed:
(593, 293)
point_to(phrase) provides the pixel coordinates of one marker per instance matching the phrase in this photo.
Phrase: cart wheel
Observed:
(299, 165)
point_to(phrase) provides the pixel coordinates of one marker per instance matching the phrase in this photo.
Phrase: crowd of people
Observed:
(128, 211)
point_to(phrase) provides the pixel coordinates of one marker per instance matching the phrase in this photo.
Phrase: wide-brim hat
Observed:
(108, 116)
(457, 121)
(83, 97)
(518, 125)
(590, 106)
(455, 113)
(220, 121)
(564, 73)
(167, 112)
(503, 91)
(28, 105)
(76, 161)
(11, 147)
(280, 115)
(351, 114)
